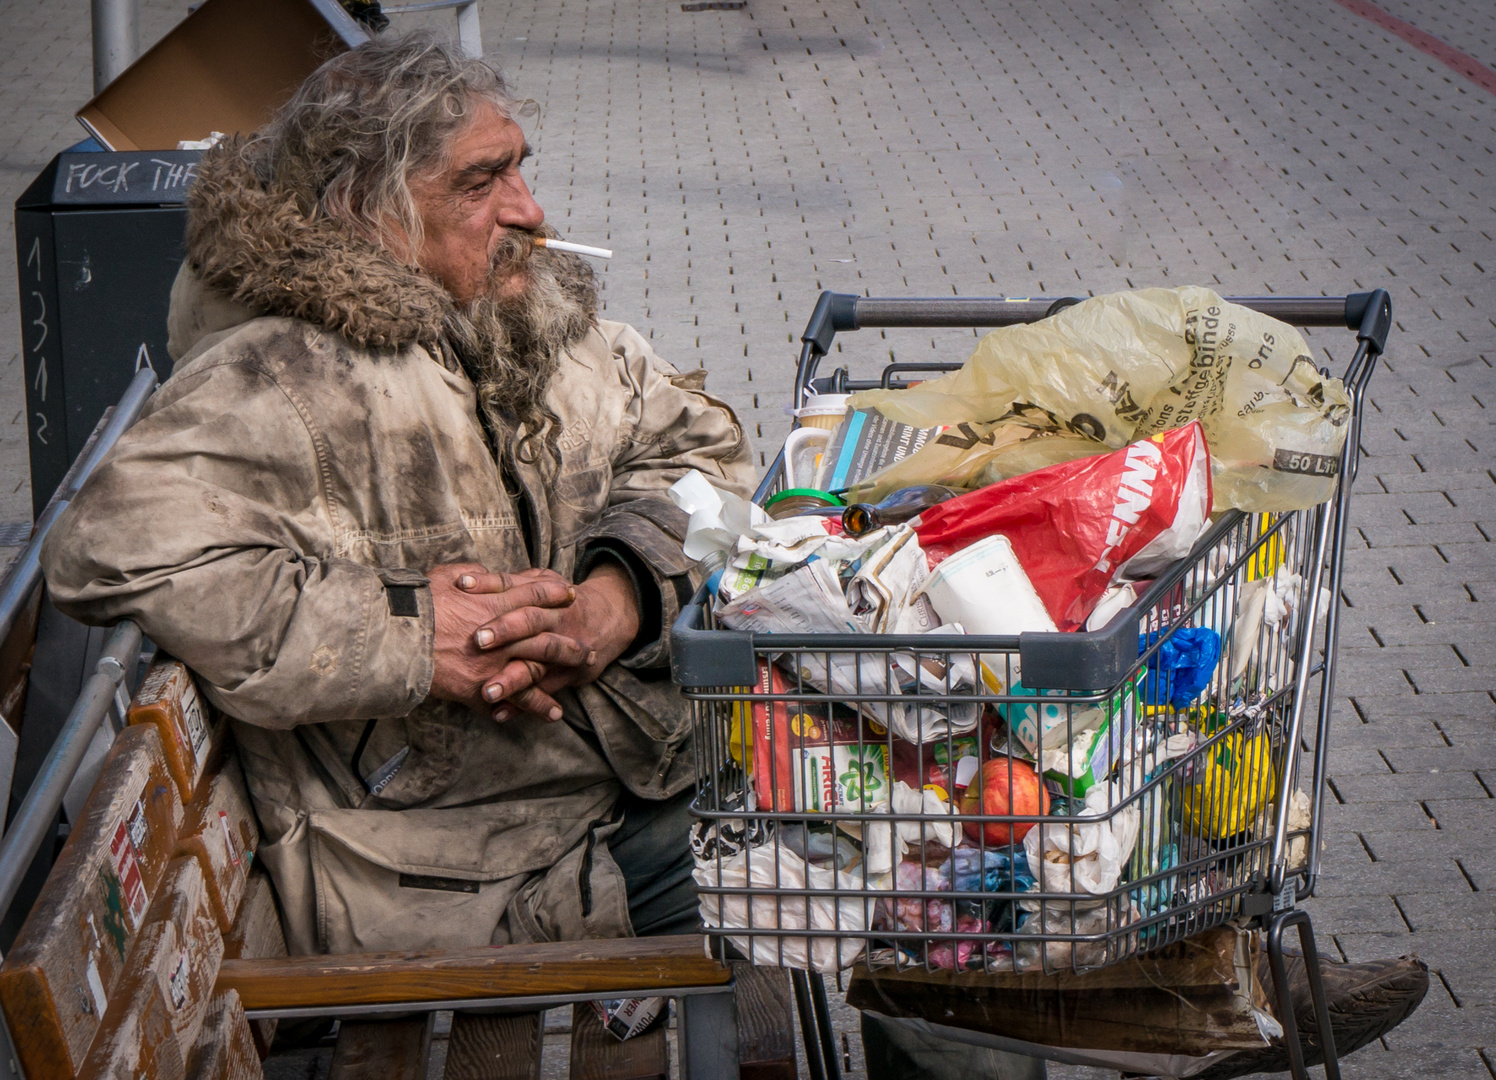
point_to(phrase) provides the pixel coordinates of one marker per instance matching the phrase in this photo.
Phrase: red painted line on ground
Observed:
(1441, 51)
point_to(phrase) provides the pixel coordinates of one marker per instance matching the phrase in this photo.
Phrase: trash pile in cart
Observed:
(1148, 460)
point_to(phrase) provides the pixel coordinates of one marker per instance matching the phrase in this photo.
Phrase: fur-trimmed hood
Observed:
(252, 241)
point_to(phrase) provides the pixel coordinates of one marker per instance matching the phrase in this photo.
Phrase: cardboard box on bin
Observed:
(226, 67)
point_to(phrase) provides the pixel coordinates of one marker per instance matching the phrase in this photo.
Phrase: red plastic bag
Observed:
(1078, 527)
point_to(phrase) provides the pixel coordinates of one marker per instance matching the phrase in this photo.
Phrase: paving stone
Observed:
(1439, 1026)
(1410, 847)
(1357, 761)
(1366, 913)
(1463, 813)
(1439, 760)
(1378, 817)
(1416, 875)
(1456, 784)
(1374, 1063)
(1380, 735)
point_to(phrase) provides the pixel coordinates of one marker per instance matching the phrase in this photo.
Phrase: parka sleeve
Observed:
(672, 426)
(207, 525)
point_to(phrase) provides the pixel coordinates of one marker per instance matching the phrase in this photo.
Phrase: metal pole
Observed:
(25, 571)
(116, 39)
(469, 36)
(34, 819)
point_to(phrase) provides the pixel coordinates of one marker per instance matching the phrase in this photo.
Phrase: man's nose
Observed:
(519, 209)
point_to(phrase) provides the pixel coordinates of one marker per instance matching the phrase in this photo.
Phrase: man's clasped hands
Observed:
(508, 642)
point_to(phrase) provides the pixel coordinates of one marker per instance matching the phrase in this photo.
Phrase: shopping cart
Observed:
(1165, 818)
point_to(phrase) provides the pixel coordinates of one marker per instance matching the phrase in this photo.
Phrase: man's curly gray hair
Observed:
(370, 120)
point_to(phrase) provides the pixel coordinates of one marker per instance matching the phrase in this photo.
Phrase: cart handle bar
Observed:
(1367, 313)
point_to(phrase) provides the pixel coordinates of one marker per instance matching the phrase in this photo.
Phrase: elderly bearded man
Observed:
(401, 507)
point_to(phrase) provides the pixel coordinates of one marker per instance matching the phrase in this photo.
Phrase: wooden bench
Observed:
(723, 1031)
(82, 999)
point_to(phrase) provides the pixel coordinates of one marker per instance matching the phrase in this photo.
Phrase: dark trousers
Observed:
(653, 850)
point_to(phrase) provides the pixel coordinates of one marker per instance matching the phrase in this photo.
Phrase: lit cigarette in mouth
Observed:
(575, 249)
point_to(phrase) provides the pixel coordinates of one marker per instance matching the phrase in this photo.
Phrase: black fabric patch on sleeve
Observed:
(437, 884)
(402, 601)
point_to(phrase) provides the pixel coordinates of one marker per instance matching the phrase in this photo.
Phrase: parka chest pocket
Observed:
(394, 763)
(578, 497)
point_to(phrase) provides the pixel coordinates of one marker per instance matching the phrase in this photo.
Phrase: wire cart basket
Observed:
(1167, 814)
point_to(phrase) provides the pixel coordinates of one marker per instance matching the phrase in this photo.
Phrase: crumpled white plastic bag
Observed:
(723, 522)
(885, 845)
(717, 518)
(1086, 857)
(773, 866)
(1300, 817)
(1271, 602)
(1056, 918)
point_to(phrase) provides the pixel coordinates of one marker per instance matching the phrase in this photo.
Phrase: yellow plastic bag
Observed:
(1229, 786)
(1120, 367)
(969, 456)
(953, 457)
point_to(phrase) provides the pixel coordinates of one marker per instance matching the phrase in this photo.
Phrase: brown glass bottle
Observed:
(859, 519)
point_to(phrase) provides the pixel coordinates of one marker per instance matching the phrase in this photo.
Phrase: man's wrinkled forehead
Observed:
(486, 164)
(491, 144)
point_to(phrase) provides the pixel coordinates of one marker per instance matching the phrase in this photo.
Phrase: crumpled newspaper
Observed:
(810, 601)
(885, 593)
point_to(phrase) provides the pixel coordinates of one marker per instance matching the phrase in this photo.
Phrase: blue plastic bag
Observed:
(1181, 667)
(989, 870)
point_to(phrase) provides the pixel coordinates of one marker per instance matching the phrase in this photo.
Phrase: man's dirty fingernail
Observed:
(485, 638)
(494, 692)
(467, 581)
(571, 594)
(592, 658)
(554, 714)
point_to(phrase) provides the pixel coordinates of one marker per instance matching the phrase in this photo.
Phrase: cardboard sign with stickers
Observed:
(61, 976)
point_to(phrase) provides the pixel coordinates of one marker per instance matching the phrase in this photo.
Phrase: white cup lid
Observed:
(824, 405)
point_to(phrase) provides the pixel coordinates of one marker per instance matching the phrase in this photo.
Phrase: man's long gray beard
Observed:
(511, 346)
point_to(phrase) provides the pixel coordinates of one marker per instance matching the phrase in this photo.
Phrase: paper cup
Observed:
(823, 411)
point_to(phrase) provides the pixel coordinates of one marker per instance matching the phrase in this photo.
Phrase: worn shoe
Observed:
(1366, 1001)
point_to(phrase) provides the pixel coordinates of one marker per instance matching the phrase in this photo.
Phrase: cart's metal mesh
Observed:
(1166, 817)
(1201, 810)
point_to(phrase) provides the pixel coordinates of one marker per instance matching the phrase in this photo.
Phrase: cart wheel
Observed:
(1275, 927)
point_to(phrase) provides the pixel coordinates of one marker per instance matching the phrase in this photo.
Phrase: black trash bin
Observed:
(98, 243)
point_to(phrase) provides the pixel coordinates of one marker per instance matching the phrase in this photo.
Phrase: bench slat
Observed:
(766, 1023)
(563, 967)
(382, 1049)
(596, 1055)
(488, 1047)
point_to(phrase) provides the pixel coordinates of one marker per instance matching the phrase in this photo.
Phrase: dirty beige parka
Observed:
(310, 458)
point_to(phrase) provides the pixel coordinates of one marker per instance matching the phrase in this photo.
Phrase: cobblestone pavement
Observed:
(741, 161)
